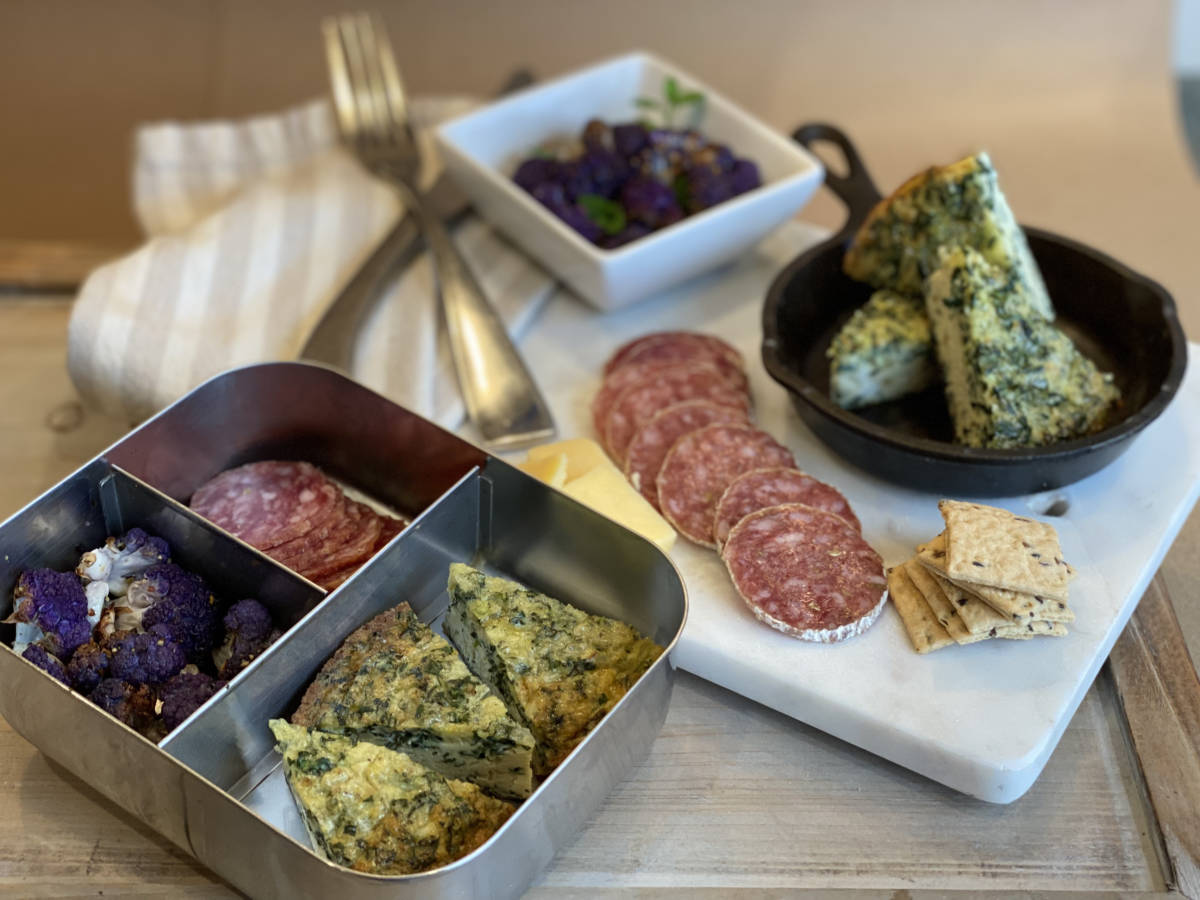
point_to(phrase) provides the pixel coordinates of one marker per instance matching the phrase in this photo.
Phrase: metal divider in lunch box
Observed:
(230, 806)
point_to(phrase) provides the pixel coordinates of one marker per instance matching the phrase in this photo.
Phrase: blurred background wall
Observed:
(76, 77)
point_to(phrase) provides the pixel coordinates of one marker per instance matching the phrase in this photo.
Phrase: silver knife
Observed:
(332, 339)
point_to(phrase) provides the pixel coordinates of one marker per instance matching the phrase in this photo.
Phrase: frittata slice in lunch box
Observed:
(396, 683)
(883, 352)
(559, 668)
(376, 810)
(956, 205)
(1012, 378)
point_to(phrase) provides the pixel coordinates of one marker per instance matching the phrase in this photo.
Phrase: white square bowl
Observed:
(482, 150)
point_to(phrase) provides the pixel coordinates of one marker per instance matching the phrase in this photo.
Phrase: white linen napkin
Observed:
(254, 226)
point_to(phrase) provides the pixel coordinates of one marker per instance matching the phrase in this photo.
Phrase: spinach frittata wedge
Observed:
(956, 205)
(376, 810)
(883, 352)
(396, 683)
(1012, 378)
(558, 668)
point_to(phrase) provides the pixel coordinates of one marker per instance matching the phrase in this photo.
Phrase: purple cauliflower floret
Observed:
(597, 135)
(554, 198)
(650, 202)
(180, 602)
(184, 694)
(132, 704)
(705, 189)
(717, 158)
(249, 630)
(122, 559)
(148, 658)
(597, 171)
(37, 655)
(744, 176)
(629, 139)
(538, 170)
(89, 666)
(55, 603)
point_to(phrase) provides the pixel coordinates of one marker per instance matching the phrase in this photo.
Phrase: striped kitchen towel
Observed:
(253, 228)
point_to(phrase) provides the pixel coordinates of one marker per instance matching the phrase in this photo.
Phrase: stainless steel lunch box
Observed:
(214, 786)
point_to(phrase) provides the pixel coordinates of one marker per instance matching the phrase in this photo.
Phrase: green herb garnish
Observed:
(676, 102)
(608, 215)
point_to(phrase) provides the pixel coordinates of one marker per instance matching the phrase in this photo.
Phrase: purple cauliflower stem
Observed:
(132, 704)
(184, 694)
(181, 602)
(37, 655)
(122, 559)
(89, 665)
(54, 603)
(249, 630)
(147, 658)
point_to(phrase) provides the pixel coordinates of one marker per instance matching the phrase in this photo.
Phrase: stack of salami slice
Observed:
(298, 516)
(673, 413)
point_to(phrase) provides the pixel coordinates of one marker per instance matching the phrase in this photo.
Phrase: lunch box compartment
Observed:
(214, 785)
(53, 532)
(297, 411)
(485, 520)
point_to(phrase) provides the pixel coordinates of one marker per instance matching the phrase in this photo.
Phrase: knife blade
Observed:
(331, 340)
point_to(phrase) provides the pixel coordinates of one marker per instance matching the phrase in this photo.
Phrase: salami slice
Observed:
(333, 532)
(702, 464)
(673, 346)
(355, 551)
(637, 405)
(645, 454)
(806, 572)
(268, 503)
(389, 528)
(760, 488)
(643, 372)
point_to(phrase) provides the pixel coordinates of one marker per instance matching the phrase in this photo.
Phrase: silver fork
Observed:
(500, 395)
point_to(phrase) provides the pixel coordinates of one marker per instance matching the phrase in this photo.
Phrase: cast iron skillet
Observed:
(1123, 321)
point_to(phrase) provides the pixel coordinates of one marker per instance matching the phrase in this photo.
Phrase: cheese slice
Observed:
(380, 811)
(607, 491)
(582, 454)
(551, 469)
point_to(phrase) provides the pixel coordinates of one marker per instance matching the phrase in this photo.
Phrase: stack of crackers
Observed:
(990, 574)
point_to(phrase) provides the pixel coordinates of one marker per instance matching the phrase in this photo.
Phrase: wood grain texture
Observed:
(43, 266)
(1160, 695)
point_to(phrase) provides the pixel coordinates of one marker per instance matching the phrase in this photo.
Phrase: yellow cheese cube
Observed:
(605, 490)
(583, 455)
(551, 469)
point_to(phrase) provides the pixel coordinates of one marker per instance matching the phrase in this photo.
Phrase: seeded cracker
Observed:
(994, 548)
(923, 628)
(1016, 606)
(940, 605)
(975, 614)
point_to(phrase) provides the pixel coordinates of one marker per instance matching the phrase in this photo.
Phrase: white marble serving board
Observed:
(982, 718)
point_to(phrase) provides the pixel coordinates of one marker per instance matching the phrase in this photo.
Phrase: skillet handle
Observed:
(855, 188)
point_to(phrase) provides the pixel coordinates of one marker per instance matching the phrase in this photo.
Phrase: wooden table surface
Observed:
(734, 798)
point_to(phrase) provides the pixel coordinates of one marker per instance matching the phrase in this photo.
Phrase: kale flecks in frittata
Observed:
(956, 205)
(398, 684)
(1012, 378)
(882, 353)
(559, 668)
(376, 810)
